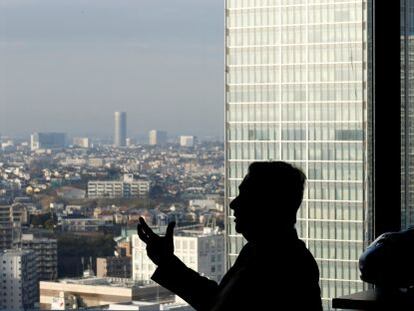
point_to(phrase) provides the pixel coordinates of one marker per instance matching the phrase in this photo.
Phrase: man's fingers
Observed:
(146, 234)
(147, 230)
(170, 230)
(142, 234)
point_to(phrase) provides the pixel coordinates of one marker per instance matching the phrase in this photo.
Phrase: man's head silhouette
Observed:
(269, 195)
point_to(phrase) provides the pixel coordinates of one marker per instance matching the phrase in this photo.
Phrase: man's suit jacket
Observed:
(277, 275)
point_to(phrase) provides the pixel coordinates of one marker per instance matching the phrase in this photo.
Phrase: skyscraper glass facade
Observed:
(407, 113)
(296, 90)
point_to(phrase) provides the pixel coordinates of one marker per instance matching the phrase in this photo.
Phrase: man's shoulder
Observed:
(304, 255)
(273, 254)
(283, 258)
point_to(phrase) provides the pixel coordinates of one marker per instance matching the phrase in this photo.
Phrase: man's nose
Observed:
(234, 204)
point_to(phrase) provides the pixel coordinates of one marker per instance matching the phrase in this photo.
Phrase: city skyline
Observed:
(143, 138)
(114, 111)
(66, 67)
(119, 134)
(140, 136)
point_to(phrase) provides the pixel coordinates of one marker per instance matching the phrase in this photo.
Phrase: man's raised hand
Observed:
(159, 249)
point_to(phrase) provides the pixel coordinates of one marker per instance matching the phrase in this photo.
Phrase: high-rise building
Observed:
(7, 145)
(19, 279)
(129, 142)
(14, 213)
(47, 141)
(46, 255)
(11, 217)
(156, 137)
(407, 113)
(8, 236)
(120, 133)
(296, 90)
(82, 142)
(187, 141)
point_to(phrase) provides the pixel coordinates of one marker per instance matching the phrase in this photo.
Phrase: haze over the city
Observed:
(68, 65)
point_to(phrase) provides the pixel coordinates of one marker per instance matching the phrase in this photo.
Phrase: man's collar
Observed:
(276, 236)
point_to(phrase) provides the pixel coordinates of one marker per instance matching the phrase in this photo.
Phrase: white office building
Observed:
(125, 188)
(156, 137)
(82, 142)
(187, 141)
(18, 279)
(202, 251)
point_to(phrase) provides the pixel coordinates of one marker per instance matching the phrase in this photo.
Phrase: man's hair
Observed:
(278, 183)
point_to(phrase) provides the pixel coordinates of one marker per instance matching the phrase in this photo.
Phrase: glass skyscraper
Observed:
(296, 90)
(407, 112)
(120, 131)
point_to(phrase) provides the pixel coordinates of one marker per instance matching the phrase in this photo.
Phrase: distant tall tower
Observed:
(157, 137)
(49, 140)
(120, 129)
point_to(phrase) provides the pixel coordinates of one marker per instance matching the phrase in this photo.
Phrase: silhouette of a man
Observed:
(274, 270)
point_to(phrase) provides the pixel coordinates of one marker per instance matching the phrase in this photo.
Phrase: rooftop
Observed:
(14, 252)
(205, 231)
(104, 281)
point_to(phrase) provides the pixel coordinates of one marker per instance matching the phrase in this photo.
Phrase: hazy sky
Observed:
(67, 65)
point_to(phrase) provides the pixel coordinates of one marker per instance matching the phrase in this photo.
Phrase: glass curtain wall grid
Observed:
(407, 112)
(296, 79)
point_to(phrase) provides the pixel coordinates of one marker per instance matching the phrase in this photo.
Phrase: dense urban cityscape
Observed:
(301, 83)
(69, 212)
